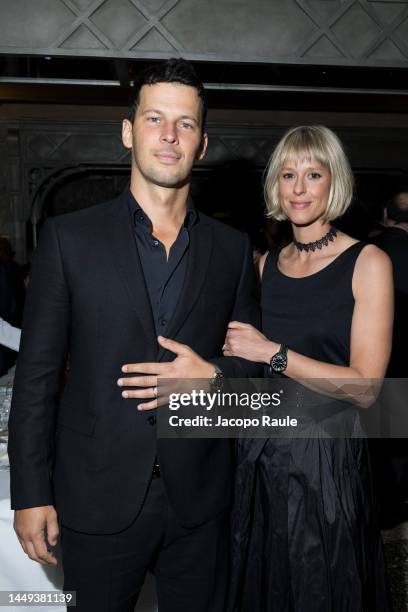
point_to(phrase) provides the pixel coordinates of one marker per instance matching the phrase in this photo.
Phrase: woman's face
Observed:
(304, 188)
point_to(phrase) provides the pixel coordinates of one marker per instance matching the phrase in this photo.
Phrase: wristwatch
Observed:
(217, 379)
(279, 360)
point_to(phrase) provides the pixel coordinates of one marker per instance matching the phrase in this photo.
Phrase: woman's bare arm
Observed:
(371, 336)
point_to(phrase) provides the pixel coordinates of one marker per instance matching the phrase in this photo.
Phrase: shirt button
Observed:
(163, 322)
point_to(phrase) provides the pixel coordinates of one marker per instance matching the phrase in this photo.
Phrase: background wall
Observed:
(346, 32)
(66, 67)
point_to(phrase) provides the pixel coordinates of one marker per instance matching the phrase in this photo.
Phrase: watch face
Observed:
(279, 362)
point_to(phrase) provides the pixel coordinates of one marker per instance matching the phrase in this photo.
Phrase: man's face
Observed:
(166, 134)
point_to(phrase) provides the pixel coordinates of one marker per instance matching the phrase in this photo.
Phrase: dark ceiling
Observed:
(238, 86)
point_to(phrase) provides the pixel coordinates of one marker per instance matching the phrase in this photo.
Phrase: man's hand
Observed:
(37, 529)
(187, 364)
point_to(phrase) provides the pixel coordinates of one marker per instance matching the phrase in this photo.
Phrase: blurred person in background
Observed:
(11, 304)
(8, 309)
(390, 456)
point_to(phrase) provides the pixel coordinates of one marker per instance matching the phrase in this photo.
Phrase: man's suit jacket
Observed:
(86, 449)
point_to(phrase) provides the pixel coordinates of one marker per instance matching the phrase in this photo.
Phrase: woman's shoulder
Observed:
(373, 269)
(367, 253)
(372, 258)
(369, 258)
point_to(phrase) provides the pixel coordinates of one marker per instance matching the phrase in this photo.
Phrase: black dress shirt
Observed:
(164, 276)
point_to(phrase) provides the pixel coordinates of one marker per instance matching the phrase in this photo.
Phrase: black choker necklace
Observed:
(317, 244)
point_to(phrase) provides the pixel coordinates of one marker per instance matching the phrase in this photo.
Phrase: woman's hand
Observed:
(244, 340)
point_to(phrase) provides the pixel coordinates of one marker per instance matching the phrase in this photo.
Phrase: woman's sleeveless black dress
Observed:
(304, 531)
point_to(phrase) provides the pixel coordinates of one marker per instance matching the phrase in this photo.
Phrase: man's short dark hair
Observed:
(397, 207)
(173, 70)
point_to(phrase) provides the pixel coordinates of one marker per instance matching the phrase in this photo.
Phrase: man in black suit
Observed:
(105, 283)
(390, 456)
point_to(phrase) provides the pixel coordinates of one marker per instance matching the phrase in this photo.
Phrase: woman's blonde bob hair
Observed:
(311, 142)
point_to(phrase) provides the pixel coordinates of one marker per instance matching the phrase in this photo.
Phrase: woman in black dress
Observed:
(305, 537)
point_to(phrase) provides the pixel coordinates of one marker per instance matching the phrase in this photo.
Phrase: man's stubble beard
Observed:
(162, 179)
(176, 181)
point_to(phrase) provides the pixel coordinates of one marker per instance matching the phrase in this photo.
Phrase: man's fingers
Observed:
(31, 552)
(166, 386)
(140, 393)
(52, 531)
(161, 398)
(32, 526)
(37, 551)
(40, 547)
(138, 381)
(143, 368)
(148, 405)
(172, 345)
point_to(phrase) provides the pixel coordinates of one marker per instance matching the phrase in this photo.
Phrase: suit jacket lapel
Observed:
(199, 254)
(127, 262)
